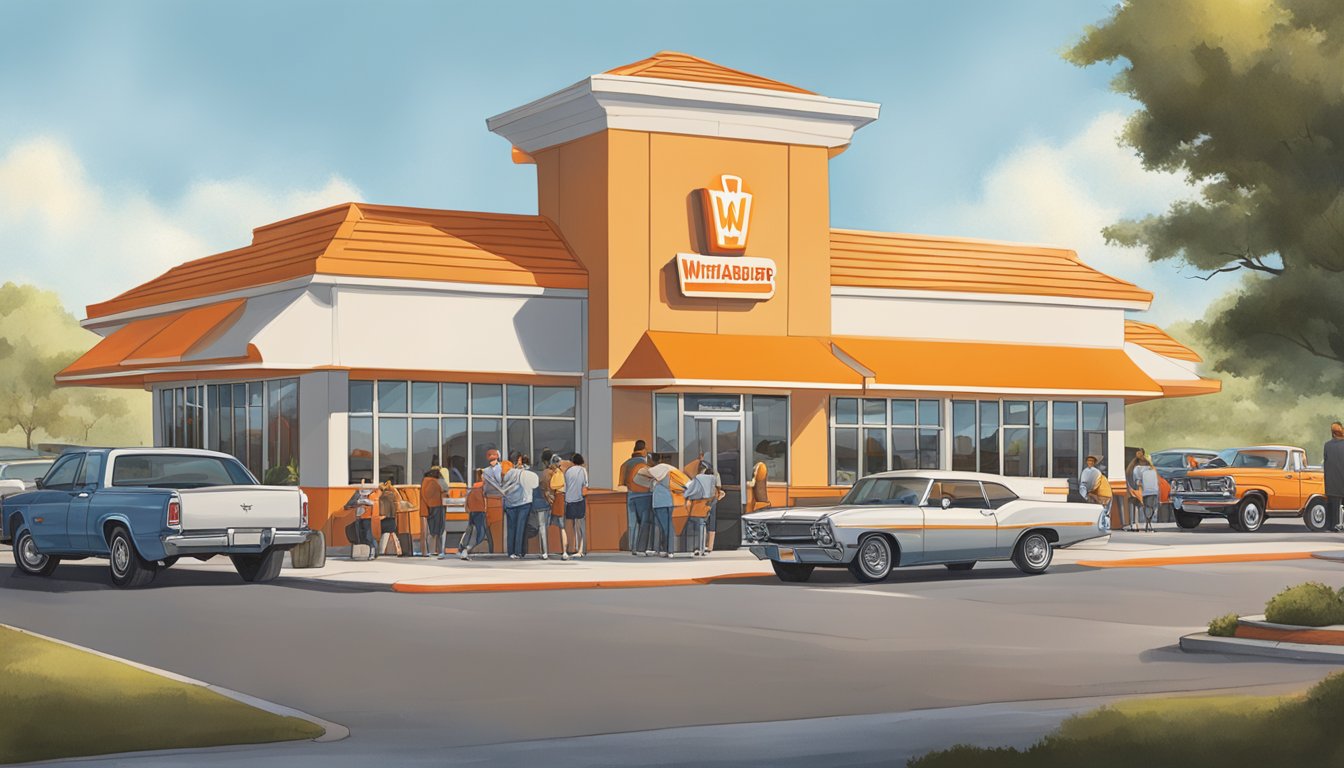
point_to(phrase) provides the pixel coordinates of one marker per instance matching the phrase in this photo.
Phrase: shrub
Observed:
(1223, 626)
(1308, 605)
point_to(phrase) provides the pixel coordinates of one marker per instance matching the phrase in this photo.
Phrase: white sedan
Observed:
(924, 517)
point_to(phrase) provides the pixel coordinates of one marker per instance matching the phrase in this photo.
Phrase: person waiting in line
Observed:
(576, 503)
(361, 503)
(1146, 483)
(1332, 462)
(638, 497)
(389, 504)
(702, 494)
(494, 486)
(662, 476)
(519, 483)
(758, 488)
(433, 506)
(553, 488)
(539, 515)
(475, 506)
(1094, 484)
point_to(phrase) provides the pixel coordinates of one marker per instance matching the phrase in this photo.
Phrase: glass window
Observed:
(713, 403)
(361, 449)
(240, 421)
(283, 431)
(180, 472)
(192, 425)
(361, 397)
(1016, 438)
(557, 401)
(453, 449)
(424, 445)
(846, 410)
(63, 473)
(27, 472)
(874, 451)
(904, 448)
(665, 424)
(930, 449)
(989, 436)
(1040, 439)
(424, 397)
(887, 490)
(520, 400)
(903, 412)
(963, 436)
(166, 416)
(965, 494)
(485, 434)
(998, 495)
(256, 426)
(1065, 440)
(930, 413)
(846, 456)
(874, 411)
(92, 473)
(770, 433)
(179, 419)
(223, 425)
(555, 434)
(391, 397)
(393, 456)
(454, 398)
(520, 438)
(1095, 441)
(487, 399)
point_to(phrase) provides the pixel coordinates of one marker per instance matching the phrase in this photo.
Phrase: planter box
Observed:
(1256, 628)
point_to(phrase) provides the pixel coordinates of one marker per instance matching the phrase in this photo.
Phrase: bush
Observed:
(1307, 605)
(1223, 626)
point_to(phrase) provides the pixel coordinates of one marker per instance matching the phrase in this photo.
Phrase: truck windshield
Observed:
(170, 471)
(887, 490)
(1270, 459)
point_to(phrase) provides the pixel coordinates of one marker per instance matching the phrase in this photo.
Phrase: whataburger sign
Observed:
(728, 217)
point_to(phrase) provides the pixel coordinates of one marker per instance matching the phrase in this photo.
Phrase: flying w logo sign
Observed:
(728, 211)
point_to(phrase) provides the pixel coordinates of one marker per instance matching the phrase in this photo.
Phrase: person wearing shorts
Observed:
(576, 506)
(553, 486)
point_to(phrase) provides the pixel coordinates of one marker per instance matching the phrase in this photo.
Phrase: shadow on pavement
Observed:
(90, 575)
(839, 577)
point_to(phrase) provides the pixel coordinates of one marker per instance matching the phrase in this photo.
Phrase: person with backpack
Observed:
(361, 503)
(576, 503)
(475, 507)
(519, 484)
(553, 488)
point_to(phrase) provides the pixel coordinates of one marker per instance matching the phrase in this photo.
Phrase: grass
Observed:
(58, 702)
(1299, 731)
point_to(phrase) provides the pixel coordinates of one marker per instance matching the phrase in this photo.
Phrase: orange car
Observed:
(1248, 485)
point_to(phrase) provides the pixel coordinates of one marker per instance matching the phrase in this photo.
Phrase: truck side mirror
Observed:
(38, 482)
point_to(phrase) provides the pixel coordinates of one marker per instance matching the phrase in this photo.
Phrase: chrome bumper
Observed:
(1203, 504)
(803, 553)
(233, 541)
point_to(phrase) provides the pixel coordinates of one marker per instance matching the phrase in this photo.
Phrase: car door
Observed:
(48, 511)
(77, 522)
(1311, 482)
(966, 529)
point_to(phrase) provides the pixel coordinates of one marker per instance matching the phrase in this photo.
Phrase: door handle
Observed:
(82, 495)
(986, 511)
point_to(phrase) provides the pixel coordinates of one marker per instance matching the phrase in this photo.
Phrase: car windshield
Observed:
(887, 490)
(178, 471)
(1165, 460)
(25, 472)
(1258, 458)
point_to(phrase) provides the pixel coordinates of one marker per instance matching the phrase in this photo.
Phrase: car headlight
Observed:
(1224, 485)
(821, 532)
(1180, 485)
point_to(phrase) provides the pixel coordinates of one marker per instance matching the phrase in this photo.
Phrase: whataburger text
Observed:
(745, 277)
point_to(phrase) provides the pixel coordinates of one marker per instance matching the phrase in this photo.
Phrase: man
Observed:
(493, 486)
(1095, 486)
(638, 496)
(519, 486)
(701, 494)
(1334, 477)
(576, 503)
(431, 500)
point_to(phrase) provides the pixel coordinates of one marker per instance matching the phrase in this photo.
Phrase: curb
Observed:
(331, 731)
(1151, 562)
(1333, 556)
(1202, 642)
(541, 586)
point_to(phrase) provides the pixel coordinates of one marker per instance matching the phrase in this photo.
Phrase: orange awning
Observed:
(663, 359)
(155, 342)
(953, 366)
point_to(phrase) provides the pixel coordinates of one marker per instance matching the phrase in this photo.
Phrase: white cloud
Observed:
(1063, 194)
(61, 230)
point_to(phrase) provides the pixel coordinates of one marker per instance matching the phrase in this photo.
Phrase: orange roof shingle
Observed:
(928, 263)
(674, 65)
(361, 240)
(1151, 337)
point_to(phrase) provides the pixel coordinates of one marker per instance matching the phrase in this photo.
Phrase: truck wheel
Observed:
(259, 568)
(792, 572)
(1315, 516)
(873, 562)
(1032, 555)
(1250, 515)
(1187, 521)
(129, 570)
(29, 560)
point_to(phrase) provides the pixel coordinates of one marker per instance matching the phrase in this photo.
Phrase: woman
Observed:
(389, 502)
(1146, 482)
(576, 505)
(553, 487)
(702, 493)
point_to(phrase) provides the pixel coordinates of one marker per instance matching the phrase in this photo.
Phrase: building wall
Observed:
(982, 320)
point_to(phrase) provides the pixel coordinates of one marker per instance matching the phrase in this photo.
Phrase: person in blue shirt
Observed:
(662, 507)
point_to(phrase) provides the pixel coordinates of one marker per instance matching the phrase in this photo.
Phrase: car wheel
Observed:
(129, 570)
(960, 566)
(1033, 554)
(1315, 516)
(1187, 521)
(792, 571)
(873, 562)
(259, 568)
(1250, 514)
(29, 560)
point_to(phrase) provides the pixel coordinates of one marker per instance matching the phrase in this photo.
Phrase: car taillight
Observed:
(303, 514)
(174, 514)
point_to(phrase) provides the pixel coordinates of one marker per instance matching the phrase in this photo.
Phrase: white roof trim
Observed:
(729, 383)
(654, 105)
(985, 298)
(119, 374)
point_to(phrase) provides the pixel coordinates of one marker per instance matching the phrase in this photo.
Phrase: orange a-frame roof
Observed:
(156, 341)
(363, 240)
(1153, 338)
(957, 366)
(665, 358)
(674, 65)
(925, 263)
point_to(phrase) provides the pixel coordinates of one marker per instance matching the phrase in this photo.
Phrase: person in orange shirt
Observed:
(553, 488)
(431, 498)
(475, 506)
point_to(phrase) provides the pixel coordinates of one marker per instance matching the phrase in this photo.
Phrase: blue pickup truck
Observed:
(143, 508)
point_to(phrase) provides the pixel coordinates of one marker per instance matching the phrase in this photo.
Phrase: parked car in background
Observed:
(1175, 462)
(21, 475)
(924, 517)
(143, 508)
(8, 453)
(1248, 485)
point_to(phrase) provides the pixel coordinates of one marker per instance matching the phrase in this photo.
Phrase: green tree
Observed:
(1246, 97)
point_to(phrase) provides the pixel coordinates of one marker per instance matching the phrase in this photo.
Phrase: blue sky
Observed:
(135, 136)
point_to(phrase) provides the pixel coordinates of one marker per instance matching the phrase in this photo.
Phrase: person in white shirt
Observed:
(1145, 480)
(519, 485)
(576, 506)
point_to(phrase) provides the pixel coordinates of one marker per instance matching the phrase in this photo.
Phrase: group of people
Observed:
(533, 502)
(650, 482)
(1141, 483)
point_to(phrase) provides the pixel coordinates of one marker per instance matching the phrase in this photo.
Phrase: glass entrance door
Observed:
(719, 438)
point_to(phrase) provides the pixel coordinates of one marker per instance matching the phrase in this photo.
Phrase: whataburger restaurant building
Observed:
(681, 283)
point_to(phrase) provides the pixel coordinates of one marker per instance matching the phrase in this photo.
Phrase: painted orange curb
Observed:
(1195, 560)
(1306, 636)
(541, 586)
